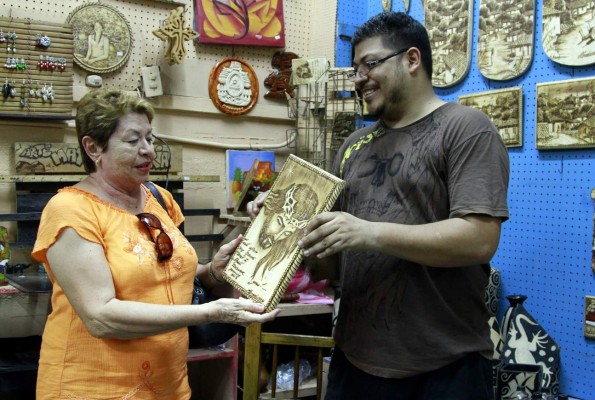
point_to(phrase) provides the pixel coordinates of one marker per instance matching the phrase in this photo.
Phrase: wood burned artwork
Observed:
(241, 22)
(343, 126)
(593, 250)
(565, 116)
(568, 31)
(386, 5)
(505, 109)
(309, 70)
(65, 158)
(266, 260)
(233, 86)
(590, 317)
(278, 82)
(175, 32)
(505, 39)
(102, 37)
(449, 28)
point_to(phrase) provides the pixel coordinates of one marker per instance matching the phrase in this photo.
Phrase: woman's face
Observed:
(129, 155)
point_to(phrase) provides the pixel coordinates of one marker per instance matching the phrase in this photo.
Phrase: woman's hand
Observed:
(238, 311)
(223, 256)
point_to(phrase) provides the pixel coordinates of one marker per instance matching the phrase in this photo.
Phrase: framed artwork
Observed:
(102, 37)
(568, 32)
(449, 26)
(240, 22)
(565, 117)
(505, 109)
(590, 317)
(265, 261)
(505, 39)
(248, 170)
(233, 86)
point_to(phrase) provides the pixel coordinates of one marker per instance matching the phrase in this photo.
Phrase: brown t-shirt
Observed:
(398, 318)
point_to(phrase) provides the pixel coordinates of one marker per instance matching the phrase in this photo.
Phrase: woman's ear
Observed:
(91, 147)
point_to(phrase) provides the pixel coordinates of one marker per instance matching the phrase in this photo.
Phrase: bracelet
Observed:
(214, 276)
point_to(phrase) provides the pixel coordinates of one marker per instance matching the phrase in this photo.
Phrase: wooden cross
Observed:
(176, 32)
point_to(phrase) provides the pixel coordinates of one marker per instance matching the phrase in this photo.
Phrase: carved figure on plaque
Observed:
(234, 85)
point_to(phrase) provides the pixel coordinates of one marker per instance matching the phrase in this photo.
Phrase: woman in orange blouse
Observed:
(121, 270)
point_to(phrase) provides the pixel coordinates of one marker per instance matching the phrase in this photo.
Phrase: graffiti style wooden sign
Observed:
(65, 158)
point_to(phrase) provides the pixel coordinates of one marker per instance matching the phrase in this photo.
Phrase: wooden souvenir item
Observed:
(505, 39)
(449, 28)
(65, 158)
(386, 5)
(266, 260)
(590, 317)
(102, 37)
(279, 81)
(309, 70)
(568, 32)
(505, 109)
(240, 22)
(241, 170)
(233, 86)
(175, 32)
(564, 114)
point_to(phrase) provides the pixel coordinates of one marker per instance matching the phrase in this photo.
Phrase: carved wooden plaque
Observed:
(449, 26)
(278, 82)
(65, 158)
(568, 32)
(233, 86)
(505, 109)
(265, 261)
(505, 40)
(102, 37)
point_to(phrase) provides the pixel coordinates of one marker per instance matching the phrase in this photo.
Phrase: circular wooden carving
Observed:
(233, 86)
(102, 37)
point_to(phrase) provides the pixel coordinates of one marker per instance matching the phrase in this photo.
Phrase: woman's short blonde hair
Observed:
(98, 114)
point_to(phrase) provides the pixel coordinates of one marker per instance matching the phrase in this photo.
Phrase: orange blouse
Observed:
(75, 365)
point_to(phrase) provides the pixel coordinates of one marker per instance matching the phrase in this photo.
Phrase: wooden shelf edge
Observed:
(209, 354)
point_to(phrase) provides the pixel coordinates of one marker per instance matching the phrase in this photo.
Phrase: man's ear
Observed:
(413, 58)
(91, 147)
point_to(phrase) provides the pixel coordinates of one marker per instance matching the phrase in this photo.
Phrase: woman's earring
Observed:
(97, 161)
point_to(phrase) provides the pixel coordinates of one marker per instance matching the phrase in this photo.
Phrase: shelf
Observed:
(209, 354)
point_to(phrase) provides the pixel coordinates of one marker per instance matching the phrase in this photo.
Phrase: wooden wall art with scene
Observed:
(565, 118)
(103, 38)
(505, 109)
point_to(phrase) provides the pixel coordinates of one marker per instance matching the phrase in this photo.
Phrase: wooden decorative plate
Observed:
(233, 86)
(102, 37)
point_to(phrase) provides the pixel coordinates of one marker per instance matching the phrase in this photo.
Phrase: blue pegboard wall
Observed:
(546, 247)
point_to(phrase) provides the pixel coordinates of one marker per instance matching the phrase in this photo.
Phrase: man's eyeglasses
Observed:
(365, 68)
(162, 242)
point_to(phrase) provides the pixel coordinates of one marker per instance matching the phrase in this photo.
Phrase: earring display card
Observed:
(36, 68)
(268, 257)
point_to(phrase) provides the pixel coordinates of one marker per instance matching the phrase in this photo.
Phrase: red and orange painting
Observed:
(240, 22)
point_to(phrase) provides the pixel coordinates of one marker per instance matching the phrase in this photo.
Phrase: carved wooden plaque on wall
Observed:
(505, 39)
(233, 86)
(449, 27)
(568, 32)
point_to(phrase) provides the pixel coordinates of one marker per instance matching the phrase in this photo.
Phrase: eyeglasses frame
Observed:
(352, 75)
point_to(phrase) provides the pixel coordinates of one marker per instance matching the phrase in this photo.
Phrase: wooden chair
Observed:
(283, 339)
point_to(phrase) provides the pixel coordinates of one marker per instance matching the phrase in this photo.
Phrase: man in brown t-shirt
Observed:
(418, 222)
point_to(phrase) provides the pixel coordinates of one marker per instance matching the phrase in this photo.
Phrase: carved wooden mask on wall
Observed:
(241, 22)
(233, 86)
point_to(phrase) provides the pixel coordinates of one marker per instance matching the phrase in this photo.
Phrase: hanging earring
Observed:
(6, 89)
(13, 89)
(2, 38)
(43, 41)
(97, 161)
